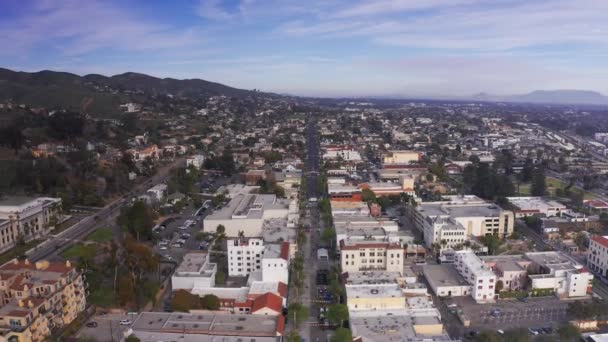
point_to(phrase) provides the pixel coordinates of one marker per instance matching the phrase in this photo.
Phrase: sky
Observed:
(322, 48)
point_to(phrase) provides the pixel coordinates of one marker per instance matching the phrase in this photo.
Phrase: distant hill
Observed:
(61, 89)
(550, 97)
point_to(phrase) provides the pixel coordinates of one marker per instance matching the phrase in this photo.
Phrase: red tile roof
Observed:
(281, 325)
(601, 240)
(285, 251)
(283, 289)
(268, 300)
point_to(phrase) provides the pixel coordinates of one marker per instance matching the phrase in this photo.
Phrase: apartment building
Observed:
(476, 273)
(244, 256)
(459, 218)
(597, 259)
(38, 298)
(27, 218)
(371, 255)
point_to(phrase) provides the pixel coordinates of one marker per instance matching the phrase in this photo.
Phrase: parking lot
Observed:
(108, 327)
(535, 313)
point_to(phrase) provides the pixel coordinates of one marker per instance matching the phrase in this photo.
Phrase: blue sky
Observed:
(320, 47)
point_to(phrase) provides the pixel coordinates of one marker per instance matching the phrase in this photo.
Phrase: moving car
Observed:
(92, 324)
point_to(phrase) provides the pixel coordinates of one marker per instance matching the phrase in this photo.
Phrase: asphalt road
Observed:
(57, 243)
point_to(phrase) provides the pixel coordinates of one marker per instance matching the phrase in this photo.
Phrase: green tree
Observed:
(298, 312)
(568, 333)
(499, 286)
(220, 277)
(581, 240)
(210, 302)
(184, 301)
(539, 185)
(132, 338)
(138, 220)
(342, 335)
(337, 314)
(492, 242)
(368, 196)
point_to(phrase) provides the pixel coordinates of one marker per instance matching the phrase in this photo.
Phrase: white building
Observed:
(196, 160)
(275, 263)
(529, 206)
(345, 153)
(555, 270)
(371, 255)
(27, 217)
(195, 271)
(247, 213)
(158, 192)
(460, 217)
(597, 259)
(244, 256)
(476, 273)
(445, 281)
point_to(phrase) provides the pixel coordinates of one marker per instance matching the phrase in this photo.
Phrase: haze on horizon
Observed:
(321, 47)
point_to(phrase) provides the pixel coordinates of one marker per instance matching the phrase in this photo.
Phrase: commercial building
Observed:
(445, 281)
(460, 217)
(195, 271)
(401, 157)
(375, 297)
(207, 327)
(346, 153)
(597, 259)
(404, 186)
(477, 274)
(371, 255)
(529, 206)
(27, 218)
(556, 271)
(510, 270)
(246, 213)
(38, 298)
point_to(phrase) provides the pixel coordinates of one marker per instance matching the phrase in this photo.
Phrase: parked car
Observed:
(533, 331)
(92, 324)
(125, 322)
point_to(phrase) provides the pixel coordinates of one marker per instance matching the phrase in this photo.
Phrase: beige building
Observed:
(27, 218)
(371, 255)
(401, 157)
(38, 298)
(375, 297)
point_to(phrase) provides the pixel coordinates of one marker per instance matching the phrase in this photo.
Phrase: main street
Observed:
(57, 243)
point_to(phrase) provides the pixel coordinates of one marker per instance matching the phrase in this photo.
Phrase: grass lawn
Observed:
(101, 235)
(103, 296)
(79, 250)
(18, 251)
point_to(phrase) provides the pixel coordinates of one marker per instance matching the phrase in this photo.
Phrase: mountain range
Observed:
(93, 93)
(61, 89)
(549, 97)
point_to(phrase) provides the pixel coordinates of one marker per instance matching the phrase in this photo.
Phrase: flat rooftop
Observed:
(192, 263)
(248, 206)
(534, 203)
(394, 325)
(207, 324)
(372, 278)
(374, 291)
(443, 275)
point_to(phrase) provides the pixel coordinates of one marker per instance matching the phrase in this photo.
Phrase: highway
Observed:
(57, 243)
